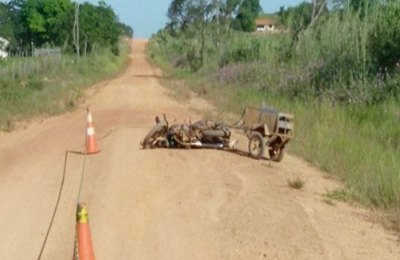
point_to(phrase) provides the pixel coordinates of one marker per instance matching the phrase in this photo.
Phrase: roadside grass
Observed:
(346, 112)
(359, 144)
(55, 89)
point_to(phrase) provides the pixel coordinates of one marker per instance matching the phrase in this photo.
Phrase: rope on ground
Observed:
(106, 135)
(112, 130)
(82, 177)
(56, 207)
(62, 187)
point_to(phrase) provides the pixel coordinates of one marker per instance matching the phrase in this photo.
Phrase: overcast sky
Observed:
(148, 16)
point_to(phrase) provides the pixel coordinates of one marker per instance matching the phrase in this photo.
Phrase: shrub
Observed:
(245, 52)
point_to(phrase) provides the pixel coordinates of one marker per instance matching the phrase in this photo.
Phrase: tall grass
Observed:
(358, 144)
(345, 100)
(49, 86)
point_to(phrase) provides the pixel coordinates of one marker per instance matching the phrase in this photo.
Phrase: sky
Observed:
(148, 16)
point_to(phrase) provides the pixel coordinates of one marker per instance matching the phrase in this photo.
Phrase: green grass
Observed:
(358, 144)
(346, 113)
(58, 87)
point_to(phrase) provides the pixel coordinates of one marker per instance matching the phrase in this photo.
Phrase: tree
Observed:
(296, 18)
(177, 14)
(384, 39)
(126, 30)
(229, 9)
(182, 13)
(99, 26)
(204, 9)
(47, 21)
(247, 14)
(196, 19)
(22, 39)
(358, 5)
(191, 17)
(55, 23)
(318, 6)
(6, 23)
(75, 31)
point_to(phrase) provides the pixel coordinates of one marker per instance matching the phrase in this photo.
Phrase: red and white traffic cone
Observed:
(91, 144)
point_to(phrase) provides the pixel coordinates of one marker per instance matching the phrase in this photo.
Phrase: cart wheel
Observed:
(256, 145)
(276, 155)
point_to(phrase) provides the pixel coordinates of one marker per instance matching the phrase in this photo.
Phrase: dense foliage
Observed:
(29, 24)
(334, 63)
(246, 15)
(349, 53)
(45, 86)
(6, 23)
(89, 37)
(240, 14)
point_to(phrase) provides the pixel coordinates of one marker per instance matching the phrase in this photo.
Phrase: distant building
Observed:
(3, 47)
(265, 25)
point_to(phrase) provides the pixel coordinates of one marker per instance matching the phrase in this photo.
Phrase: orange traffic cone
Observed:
(91, 144)
(84, 240)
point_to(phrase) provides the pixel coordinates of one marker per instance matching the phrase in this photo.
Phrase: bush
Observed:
(384, 39)
(53, 88)
(245, 52)
(340, 77)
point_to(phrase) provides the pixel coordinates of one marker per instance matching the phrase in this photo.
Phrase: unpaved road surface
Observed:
(167, 204)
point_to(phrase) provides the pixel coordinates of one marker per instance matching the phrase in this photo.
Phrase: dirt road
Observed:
(167, 204)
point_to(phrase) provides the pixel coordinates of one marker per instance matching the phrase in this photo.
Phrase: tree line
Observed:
(205, 19)
(372, 25)
(380, 20)
(80, 28)
(239, 14)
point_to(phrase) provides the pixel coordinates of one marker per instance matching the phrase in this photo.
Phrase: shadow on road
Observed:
(236, 152)
(149, 76)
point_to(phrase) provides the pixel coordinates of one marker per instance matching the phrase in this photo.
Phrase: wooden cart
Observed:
(266, 128)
